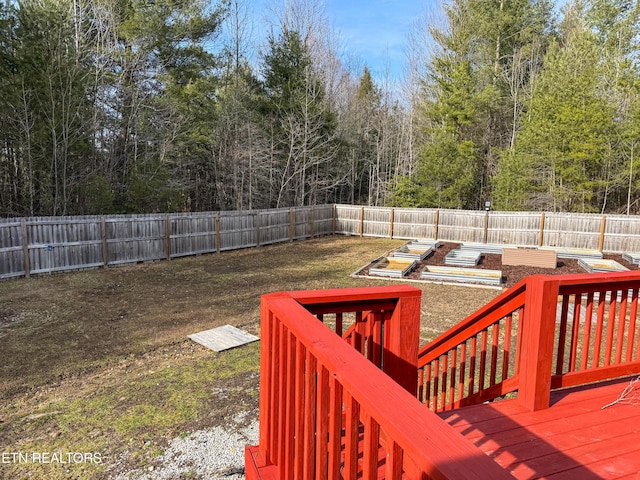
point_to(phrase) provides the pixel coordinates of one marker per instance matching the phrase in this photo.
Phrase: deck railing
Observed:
(546, 332)
(329, 410)
(477, 359)
(597, 328)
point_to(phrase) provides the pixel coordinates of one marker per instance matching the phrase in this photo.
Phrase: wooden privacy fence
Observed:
(608, 233)
(50, 244)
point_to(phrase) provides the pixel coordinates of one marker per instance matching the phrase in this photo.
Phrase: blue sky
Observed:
(373, 31)
(376, 31)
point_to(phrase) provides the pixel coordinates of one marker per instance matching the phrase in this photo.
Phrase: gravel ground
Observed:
(214, 454)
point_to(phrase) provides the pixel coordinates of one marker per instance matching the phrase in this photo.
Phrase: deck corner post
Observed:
(266, 331)
(537, 342)
(401, 356)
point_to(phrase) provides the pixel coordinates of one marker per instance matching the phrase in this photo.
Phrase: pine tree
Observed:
(484, 56)
(558, 158)
(303, 134)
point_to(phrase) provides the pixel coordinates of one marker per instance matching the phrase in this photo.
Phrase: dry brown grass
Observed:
(100, 361)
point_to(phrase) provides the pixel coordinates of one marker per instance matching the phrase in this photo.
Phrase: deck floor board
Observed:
(574, 438)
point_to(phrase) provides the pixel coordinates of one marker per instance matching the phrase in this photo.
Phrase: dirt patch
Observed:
(510, 274)
(7, 316)
(99, 361)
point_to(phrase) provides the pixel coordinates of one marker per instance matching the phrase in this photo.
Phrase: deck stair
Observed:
(393, 267)
(463, 258)
(455, 274)
(592, 265)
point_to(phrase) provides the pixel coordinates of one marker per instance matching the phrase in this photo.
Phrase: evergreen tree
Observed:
(165, 100)
(51, 105)
(563, 154)
(484, 57)
(303, 129)
(576, 147)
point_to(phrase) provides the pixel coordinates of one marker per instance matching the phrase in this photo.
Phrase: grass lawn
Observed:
(99, 361)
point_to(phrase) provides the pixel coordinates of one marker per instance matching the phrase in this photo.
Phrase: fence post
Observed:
(603, 225)
(391, 223)
(541, 236)
(435, 224)
(25, 248)
(485, 234)
(313, 221)
(218, 235)
(361, 221)
(103, 238)
(167, 222)
(257, 227)
(538, 334)
(292, 224)
(334, 218)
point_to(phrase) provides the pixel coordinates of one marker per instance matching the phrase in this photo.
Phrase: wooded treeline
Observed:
(117, 106)
(110, 106)
(529, 108)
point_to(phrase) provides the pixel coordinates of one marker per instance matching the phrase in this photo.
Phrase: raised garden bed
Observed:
(574, 252)
(413, 251)
(467, 275)
(631, 258)
(592, 265)
(393, 267)
(511, 274)
(463, 258)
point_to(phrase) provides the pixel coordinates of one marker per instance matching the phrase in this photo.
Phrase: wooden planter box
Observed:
(530, 257)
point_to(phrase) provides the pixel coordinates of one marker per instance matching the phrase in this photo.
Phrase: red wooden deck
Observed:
(361, 402)
(573, 439)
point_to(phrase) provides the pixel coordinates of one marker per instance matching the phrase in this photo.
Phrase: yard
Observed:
(98, 362)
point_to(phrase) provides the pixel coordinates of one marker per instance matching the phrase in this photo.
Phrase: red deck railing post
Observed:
(401, 353)
(538, 342)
